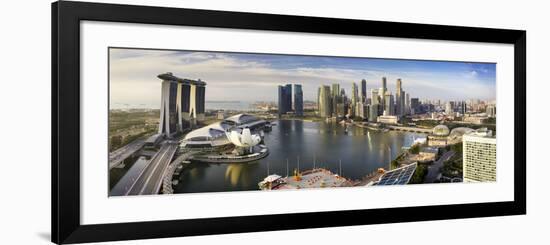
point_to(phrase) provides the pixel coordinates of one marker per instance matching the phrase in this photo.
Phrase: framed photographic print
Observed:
(175, 122)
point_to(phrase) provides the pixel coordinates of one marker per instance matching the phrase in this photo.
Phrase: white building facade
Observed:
(479, 157)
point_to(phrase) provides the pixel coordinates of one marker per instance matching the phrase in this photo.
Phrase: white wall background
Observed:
(25, 121)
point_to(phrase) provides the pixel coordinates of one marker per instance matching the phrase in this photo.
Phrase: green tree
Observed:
(116, 141)
(419, 174)
(457, 148)
(415, 149)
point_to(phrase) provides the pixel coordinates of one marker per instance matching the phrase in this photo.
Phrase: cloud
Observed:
(470, 74)
(133, 76)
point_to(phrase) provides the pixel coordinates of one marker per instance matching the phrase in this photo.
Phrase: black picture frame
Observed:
(65, 200)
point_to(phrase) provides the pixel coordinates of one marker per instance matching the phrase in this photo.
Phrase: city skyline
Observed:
(241, 76)
(185, 130)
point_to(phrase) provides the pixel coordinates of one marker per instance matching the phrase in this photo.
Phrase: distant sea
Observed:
(210, 105)
(230, 105)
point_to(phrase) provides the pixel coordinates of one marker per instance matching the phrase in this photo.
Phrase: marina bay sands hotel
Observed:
(182, 103)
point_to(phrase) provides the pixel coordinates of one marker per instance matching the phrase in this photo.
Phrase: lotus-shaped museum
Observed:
(243, 139)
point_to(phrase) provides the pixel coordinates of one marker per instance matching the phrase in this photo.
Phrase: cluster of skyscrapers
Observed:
(452, 108)
(333, 101)
(378, 105)
(182, 103)
(289, 103)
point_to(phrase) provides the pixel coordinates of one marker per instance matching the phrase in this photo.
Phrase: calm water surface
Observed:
(361, 151)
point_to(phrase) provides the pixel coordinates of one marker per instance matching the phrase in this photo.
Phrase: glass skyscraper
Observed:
(285, 99)
(298, 100)
(364, 91)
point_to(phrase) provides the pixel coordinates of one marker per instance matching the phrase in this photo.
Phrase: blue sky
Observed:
(254, 77)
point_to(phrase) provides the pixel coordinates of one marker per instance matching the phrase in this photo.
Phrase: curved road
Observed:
(150, 180)
(433, 170)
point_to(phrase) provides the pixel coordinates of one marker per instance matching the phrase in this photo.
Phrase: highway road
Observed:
(150, 180)
(117, 156)
(433, 170)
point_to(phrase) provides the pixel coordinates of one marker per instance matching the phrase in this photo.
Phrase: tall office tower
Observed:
(334, 103)
(340, 110)
(298, 100)
(361, 110)
(354, 98)
(324, 101)
(182, 103)
(407, 104)
(449, 108)
(344, 102)
(384, 85)
(335, 89)
(354, 93)
(281, 100)
(374, 99)
(389, 104)
(462, 107)
(364, 91)
(335, 98)
(479, 156)
(285, 99)
(382, 93)
(491, 110)
(373, 112)
(399, 98)
(318, 99)
(415, 106)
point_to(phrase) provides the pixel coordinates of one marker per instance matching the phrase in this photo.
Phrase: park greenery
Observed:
(395, 163)
(419, 173)
(127, 126)
(415, 149)
(118, 141)
(453, 167)
(124, 120)
(427, 123)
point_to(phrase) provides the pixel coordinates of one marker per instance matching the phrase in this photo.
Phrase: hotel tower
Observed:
(182, 103)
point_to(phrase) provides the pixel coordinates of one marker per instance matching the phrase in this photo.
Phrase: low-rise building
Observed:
(214, 135)
(438, 137)
(428, 153)
(221, 115)
(475, 119)
(388, 119)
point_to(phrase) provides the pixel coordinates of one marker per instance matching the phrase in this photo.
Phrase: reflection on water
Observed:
(238, 174)
(301, 144)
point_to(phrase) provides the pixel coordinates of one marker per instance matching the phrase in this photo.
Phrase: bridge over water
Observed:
(117, 157)
(410, 129)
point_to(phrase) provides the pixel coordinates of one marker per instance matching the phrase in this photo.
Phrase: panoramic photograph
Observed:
(184, 121)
